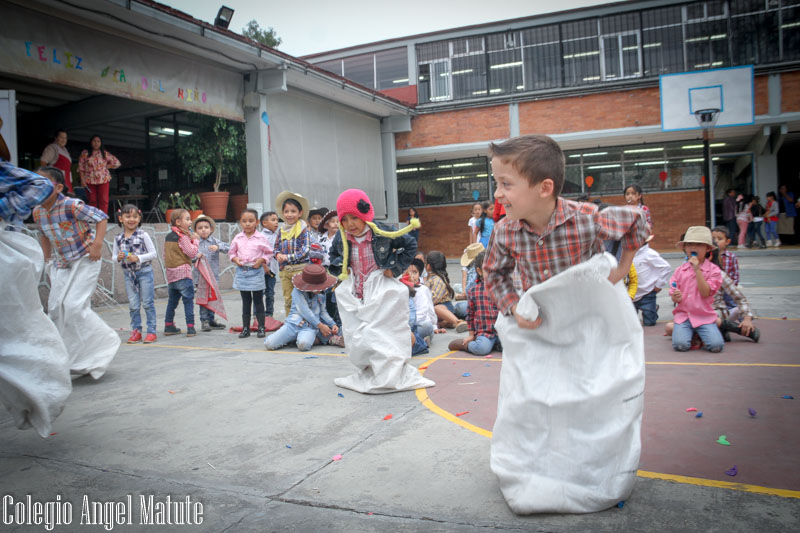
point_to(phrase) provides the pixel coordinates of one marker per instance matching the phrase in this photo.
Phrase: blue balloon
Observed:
(476, 195)
(265, 118)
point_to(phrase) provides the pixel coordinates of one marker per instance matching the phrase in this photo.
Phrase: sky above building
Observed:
(311, 26)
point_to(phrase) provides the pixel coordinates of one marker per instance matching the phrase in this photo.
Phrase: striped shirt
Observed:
(576, 231)
(20, 191)
(66, 225)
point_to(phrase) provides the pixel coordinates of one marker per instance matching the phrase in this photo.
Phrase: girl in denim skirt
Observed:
(250, 251)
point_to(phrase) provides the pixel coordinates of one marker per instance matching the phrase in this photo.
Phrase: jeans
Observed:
(647, 304)
(183, 288)
(425, 328)
(460, 309)
(772, 230)
(303, 335)
(733, 229)
(269, 294)
(206, 315)
(753, 231)
(481, 345)
(709, 334)
(139, 286)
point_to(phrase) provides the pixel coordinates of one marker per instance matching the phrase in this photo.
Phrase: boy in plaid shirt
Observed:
(481, 316)
(76, 251)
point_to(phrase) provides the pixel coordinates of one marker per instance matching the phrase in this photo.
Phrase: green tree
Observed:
(217, 145)
(266, 37)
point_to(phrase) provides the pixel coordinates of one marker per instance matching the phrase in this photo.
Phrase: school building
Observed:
(591, 78)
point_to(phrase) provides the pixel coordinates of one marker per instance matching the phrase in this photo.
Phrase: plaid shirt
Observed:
(362, 261)
(296, 249)
(481, 311)
(20, 191)
(576, 231)
(66, 225)
(191, 249)
(438, 289)
(136, 244)
(728, 286)
(730, 265)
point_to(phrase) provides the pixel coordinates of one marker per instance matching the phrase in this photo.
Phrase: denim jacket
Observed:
(308, 312)
(395, 254)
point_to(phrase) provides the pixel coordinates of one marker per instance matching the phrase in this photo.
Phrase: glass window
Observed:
(505, 72)
(443, 182)
(707, 45)
(440, 80)
(755, 38)
(541, 57)
(392, 68)
(790, 33)
(662, 41)
(469, 77)
(334, 66)
(581, 52)
(360, 69)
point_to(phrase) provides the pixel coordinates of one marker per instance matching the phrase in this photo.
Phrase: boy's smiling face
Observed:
(515, 193)
(720, 240)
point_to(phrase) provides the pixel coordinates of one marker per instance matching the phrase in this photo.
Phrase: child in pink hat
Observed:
(373, 305)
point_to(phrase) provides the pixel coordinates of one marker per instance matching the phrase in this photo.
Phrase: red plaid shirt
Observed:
(362, 261)
(576, 231)
(481, 311)
(730, 264)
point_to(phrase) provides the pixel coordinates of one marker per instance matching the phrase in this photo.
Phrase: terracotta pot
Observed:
(196, 213)
(238, 204)
(214, 204)
(167, 215)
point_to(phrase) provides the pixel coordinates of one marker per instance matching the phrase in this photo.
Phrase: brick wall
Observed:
(761, 94)
(453, 127)
(407, 94)
(790, 92)
(444, 228)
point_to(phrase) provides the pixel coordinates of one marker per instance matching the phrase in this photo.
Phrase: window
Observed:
(755, 32)
(505, 63)
(581, 52)
(790, 33)
(444, 182)
(541, 57)
(391, 68)
(360, 69)
(334, 66)
(662, 41)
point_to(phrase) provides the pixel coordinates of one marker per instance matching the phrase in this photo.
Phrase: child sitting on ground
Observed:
(468, 276)
(727, 260)
(134, 250)
(481, 316)
(250, 251)
(439, 284)
(652, 273)
(210, 247)
(692, 287)
(419, 344)
(423, 302)
(308, 320)
(180, 248)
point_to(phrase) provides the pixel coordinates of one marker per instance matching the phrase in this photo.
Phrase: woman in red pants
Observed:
(93, 167)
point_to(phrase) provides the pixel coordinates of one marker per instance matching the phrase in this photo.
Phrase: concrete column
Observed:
(766, 175)
(390, 177)
(257, 139)
(774, 91)
(513, 120)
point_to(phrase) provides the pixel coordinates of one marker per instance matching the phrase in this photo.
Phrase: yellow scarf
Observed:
(412, 225)
(294, 231)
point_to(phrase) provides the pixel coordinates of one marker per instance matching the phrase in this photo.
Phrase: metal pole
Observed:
(707, 180)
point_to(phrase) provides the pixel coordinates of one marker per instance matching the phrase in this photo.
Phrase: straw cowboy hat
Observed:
(205, 218)
(699, 235)
(313, 278)
(470, 253)
(285, 195)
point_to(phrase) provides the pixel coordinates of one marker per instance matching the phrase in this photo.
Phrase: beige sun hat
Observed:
(470, 253)
(698, 235)
(285, 195)
(205, 218)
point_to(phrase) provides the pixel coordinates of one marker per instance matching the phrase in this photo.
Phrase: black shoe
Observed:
(245, 333)
(190, 331)
(216, 325)
(204, 326)
(171, 330)
(261, 333)
(726, 336)
(755, 334)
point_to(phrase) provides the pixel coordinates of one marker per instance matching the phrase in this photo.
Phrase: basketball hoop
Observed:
(707, 118)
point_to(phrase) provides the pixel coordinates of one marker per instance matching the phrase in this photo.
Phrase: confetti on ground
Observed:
(54, 433)
(784, 318)
(723, 439)
(336, 457)
(423, 367)
(387, 417)
(370, 513)
(171, 391)
(462, 413)
(699, 414)
(620, 504)
(787, 397)
(733, 471)
(289, 446)
(311, 357)
(212, 466)
(691, 409)
(489, 356)
(466, 374)
(340, 395)
(487, 364)
(469, 383)
(751, 411)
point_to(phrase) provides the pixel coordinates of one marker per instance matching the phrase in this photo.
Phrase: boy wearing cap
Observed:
(210, 247)
(308, 320)
(692, 288)
(372, 304)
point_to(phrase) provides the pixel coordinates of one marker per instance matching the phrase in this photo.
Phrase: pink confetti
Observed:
(337, 457)
(387, 417)
(462, 413)
(691, 409)
(54, 433)
(489, 356)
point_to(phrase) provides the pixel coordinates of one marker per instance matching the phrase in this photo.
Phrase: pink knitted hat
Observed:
(355, 202)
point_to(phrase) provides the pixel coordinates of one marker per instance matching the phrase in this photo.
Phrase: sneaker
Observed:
(216, 325)
(151, 337)
(769, 242)
(461, 326)
(741, 246)
(205, 326)
(336, 340)
(136, 336)
(170, 329)
(429, 340)
(777, 243)
(261, 333)
(190, 331)
(755, 334)
(726, 335)
(245, 333)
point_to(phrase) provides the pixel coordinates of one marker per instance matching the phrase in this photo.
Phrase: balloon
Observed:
(662, 176)
(476, 195)
(589, 181)
(703, 180)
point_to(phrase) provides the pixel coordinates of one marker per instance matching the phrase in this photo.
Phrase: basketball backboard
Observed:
(728, 89)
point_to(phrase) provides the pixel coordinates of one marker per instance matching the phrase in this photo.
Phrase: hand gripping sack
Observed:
(567, 434)
(377, 337)
(34, 365)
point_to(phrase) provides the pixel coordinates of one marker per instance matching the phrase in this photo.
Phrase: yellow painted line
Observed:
(779, 365)
(422, 396)
(785, 493)
(775, 318)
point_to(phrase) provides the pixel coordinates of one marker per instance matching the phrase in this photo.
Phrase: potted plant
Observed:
(216, 145)
(176, 200)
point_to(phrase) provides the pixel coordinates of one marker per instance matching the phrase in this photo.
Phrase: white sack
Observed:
(90, 342)
(34, 365)
(567, 434)
(377, 337)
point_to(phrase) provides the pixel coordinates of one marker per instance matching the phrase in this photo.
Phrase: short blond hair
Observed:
(175, 215)
(536, 157)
